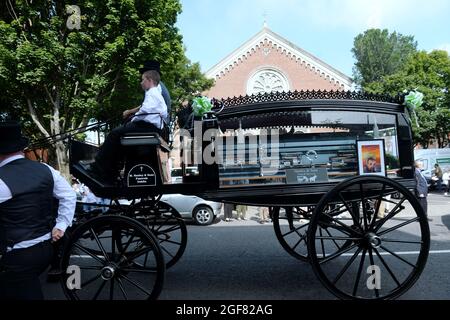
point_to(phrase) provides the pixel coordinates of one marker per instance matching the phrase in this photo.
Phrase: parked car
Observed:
(201, 211)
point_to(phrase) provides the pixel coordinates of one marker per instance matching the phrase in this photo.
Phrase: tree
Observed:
(429, 73)
(62, 65)
(379, 53)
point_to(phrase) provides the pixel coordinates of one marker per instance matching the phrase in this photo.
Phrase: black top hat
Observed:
(151, 65)
(11, 139)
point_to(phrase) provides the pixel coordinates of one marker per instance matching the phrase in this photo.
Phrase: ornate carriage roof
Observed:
(304, 95)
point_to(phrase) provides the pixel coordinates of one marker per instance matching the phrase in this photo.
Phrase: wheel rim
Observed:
(291, 230)
(167, 225)
(108, 271)
(374, 257)
(202, 216)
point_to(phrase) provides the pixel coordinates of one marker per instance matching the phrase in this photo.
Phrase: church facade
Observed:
(267, 63)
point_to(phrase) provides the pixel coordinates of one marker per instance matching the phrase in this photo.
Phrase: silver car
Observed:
(191, 207)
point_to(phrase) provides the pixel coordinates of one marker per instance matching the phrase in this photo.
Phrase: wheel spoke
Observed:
(174, 228)
(358, 276)
(91, 268)
(401, 241)
(302, 238)
(343, 225)
(341, 197)
(335, 243)
(387, 267)
(136, 284)
(398, 226)
(122, 289)
(99, 244)
(166, 251)
(295, 230)
(363, 203)
(88, 282)
(390, 215)
(127, 245)
(111, 289)
(321, 242)
(140, 270)
(99, 290)
(139, 253)
(377, 207)
(337, 254)
(169, 241)
(348, 264)
(85, 250)
(338, 238)
(398, 257)
(372, 263)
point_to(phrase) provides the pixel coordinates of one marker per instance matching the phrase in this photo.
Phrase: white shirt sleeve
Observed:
(154, 104)
(67, 200)
(5, 192)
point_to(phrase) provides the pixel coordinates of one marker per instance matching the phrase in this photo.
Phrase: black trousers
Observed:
(20, 270)
(111, 152)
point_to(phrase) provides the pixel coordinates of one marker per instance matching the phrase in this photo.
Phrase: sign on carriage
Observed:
(141, 175)
(306, 175)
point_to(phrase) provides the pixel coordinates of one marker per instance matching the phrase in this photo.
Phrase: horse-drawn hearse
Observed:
(302, 154)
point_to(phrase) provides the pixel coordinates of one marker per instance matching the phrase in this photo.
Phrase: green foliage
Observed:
(429, 73)
(56, 77)
(379, 53)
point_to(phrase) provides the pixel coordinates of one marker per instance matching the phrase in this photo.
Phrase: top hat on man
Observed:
(11, 139)
(151, 65)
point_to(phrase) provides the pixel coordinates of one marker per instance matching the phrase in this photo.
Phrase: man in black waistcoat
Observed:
(28, 224)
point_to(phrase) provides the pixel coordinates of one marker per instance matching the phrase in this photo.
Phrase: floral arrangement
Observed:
(201, 106)
(413, 100)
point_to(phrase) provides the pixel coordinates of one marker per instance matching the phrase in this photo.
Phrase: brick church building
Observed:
(268, 62)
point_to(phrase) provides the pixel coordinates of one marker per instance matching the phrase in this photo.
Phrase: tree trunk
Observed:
(62, 159)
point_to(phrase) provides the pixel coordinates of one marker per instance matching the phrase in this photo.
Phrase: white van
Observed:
(429, 157)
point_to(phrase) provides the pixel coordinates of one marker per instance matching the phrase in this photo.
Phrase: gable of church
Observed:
(268, 63)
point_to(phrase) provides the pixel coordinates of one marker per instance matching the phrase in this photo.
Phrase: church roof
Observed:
(267, 36)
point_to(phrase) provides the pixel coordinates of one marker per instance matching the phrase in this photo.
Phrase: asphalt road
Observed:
(242, 260)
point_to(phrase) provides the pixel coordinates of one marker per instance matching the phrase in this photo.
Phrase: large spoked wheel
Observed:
(167, 225)
(117, 258)
(376, 246)
(291, 226)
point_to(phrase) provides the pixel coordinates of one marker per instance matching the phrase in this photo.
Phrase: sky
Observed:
(212, 29)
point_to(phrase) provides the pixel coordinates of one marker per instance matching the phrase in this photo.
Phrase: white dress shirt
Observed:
(61, 191)
(153, 103)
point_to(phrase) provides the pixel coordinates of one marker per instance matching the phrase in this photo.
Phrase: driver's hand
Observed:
(57, 234)
(127, 113)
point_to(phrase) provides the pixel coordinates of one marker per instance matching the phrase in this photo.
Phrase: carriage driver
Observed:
(28, 223)
(149, 117)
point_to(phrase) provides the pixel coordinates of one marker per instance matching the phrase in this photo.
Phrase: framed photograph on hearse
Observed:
(371, 157)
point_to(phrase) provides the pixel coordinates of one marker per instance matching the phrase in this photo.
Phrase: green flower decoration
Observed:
(414, 99)
(201, 106)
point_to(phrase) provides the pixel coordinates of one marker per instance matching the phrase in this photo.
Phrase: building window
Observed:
(267, 81)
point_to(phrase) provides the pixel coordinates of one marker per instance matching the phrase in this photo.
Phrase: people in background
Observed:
(421, 189)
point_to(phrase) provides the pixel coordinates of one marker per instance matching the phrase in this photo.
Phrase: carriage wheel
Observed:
(167, 225)
(291, 228)
(107, 270)
(376, 246)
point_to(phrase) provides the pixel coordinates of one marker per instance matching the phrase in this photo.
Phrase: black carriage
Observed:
(300, 154)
